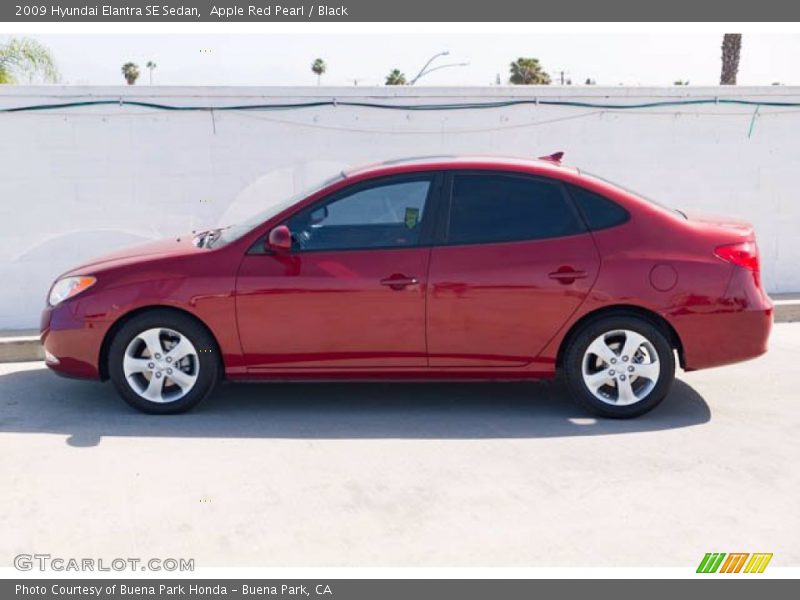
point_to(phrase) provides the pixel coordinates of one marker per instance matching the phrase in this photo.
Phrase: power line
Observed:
(408, 107)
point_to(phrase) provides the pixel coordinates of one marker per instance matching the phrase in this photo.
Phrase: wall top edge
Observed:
(328, 92)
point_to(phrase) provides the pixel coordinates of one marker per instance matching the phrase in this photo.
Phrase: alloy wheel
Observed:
(161, 365)
(620, 367)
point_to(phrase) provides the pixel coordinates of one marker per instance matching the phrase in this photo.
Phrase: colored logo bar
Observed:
(720, 562)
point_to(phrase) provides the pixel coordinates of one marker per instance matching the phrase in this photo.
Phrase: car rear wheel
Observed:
(619, 366)
(163, 362)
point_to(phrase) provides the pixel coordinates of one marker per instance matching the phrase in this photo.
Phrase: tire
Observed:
(610, 383)
(172, 381)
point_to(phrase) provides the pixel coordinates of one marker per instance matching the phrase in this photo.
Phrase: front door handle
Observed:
(567, 275)
(398, 281)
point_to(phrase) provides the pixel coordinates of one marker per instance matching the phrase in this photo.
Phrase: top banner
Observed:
(406, 11)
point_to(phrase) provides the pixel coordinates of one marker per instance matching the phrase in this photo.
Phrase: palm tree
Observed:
(396, 77)
(319, 67)
(528, 71)
(24, 59)
(731, 49)
(150, 67)
(131, 72)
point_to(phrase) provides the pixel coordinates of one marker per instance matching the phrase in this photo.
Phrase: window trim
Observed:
(432, 201)
(443, 230)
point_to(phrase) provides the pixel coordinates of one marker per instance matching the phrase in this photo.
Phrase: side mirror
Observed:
(280, 239)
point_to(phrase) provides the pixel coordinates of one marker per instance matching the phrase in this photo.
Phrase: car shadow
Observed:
(37, 401)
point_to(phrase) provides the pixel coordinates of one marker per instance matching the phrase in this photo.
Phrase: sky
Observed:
(285, 59)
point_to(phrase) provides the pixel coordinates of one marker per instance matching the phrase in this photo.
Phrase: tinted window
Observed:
(599, 211)
(383, 215)
(503, 208)
(673, 211)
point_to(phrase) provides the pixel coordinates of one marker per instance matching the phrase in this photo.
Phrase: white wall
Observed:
(79, 182)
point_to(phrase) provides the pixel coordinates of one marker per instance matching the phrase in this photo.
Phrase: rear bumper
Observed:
(734, 329)
(725, 338)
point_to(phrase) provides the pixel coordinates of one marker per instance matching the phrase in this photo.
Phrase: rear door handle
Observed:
(567, 275)
(398, 281)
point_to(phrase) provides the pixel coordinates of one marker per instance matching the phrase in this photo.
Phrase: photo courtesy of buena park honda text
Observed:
(361, 299)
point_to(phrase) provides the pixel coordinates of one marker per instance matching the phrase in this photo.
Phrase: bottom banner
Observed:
(389, 589)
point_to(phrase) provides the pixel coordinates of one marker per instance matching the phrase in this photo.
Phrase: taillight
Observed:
(742, 254)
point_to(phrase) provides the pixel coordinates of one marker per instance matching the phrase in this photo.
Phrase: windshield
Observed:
(637, 194)
(234, 232)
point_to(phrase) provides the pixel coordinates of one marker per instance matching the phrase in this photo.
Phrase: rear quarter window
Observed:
(598, 211)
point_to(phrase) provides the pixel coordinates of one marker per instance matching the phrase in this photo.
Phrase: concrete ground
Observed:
(406, 475)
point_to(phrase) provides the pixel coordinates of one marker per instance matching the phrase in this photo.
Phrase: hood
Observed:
(164, 248)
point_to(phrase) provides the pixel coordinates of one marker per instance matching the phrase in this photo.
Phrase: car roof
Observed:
(435, 162)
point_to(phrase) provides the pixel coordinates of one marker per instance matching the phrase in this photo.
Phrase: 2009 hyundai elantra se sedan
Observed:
(438, 268)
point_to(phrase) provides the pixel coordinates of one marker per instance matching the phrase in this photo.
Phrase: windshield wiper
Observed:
(205, 238)
(213, 236)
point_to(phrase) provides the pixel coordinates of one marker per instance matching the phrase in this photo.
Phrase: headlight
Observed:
(69, 287)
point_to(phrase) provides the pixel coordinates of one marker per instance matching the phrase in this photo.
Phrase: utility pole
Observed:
(562, 76)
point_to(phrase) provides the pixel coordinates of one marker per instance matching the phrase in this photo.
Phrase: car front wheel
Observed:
(619, 366)
(163, 362)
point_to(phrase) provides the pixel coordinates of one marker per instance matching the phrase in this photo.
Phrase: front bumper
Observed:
(71, 343)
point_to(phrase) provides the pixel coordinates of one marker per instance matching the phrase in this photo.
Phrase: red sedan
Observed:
(436, 268)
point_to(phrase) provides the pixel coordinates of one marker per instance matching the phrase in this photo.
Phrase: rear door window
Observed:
(505, 207)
